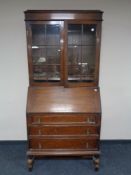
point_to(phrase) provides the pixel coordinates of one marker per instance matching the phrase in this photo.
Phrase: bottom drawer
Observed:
(79, 143)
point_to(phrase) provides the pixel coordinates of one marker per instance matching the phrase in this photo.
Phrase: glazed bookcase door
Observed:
(82, 53)
(45, 60)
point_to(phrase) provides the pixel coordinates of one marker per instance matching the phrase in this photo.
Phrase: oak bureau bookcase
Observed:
(63, 103)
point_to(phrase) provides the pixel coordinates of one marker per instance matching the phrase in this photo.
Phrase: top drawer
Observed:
(91, 119)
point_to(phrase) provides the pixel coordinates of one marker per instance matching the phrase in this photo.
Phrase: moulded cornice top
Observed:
(34, 15)
(63, 11)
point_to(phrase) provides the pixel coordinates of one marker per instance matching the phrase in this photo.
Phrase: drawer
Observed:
(63, 130)
(91, 119)
(79, 143)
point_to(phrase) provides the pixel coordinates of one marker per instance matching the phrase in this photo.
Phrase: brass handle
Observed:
(87, 145)
(39, 120)
(91, 121)
(39, 145)
(39, 132)
(88, 132)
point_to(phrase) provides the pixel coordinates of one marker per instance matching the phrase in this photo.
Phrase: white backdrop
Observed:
(115, 66)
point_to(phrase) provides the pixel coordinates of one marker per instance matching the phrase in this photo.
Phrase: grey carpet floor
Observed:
(115, 160)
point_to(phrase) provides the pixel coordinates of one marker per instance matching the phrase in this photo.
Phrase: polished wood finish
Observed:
(63, 100)
(62, 18)
(60, 130)
(63, 104)
(36, 15)
(63, 121)
(63, 143)
(91, 119)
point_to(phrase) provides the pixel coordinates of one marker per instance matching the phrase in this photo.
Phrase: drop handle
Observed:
(39, 120)
(39, 132)
(87, 132)
(90, 121)
(39, 145)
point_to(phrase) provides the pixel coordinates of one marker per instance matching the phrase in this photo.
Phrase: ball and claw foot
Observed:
(96, 162)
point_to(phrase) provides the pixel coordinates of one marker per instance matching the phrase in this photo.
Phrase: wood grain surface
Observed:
(60, 99)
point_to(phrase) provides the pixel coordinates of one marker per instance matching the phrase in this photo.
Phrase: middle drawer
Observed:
(62, 130)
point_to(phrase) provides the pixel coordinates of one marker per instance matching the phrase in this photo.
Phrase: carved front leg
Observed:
(96, 161)
(30, 161)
